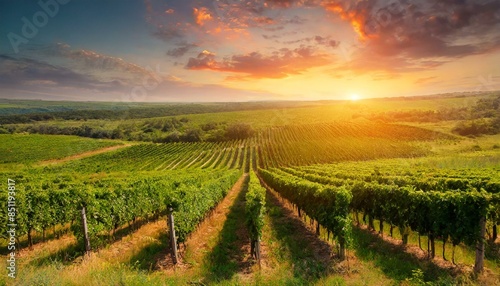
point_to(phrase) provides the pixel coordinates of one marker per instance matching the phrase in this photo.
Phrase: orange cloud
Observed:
(279, 64)
(201, 15)
(357, 17)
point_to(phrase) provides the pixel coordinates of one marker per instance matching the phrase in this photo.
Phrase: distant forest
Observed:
(121, 111)
(480, 119)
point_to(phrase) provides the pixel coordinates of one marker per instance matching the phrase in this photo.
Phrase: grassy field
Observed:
(33, 148)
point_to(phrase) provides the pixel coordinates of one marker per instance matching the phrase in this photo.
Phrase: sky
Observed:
(253, 50)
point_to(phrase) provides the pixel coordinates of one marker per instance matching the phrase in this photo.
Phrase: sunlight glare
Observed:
(354, 97)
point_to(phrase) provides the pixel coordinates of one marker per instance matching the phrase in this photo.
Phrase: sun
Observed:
(355, 97)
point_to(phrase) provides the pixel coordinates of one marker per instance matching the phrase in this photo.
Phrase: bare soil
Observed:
(197, 243)
(82, 155)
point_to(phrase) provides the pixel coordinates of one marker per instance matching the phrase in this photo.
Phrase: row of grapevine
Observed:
(255, 209)
(429, 183)
(430, 180)
(419, 183)
(113, 202)
(440, 206)
(161, 157)
(405, 168)
(449, 215)
(192, 202)
(328, 205)
(325, 143)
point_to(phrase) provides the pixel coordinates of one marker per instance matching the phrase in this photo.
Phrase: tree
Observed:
(239, 131)
(191, 135)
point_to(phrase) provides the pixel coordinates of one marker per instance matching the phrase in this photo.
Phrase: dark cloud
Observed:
(22, 72)
(181, 50)
(168, 34)
(424, 28)
(88, 59)
(204, 60)
(408, 28)
(32, 79)
(297, 20)
(274, 29)
(326, 41)
(414, 29)
(271, 37)
(403, 35)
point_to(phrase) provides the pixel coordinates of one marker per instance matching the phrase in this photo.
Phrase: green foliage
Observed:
(421, 115)
(446, 204)
(417, 278)
(191, 135)
(197, 198)
(484, 118)
(255, 207)
(478, 127)
(328, 205)
(239, 131)
(46, 201)
(486, 107)
(29, 111)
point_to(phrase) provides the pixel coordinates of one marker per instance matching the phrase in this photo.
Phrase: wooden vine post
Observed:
(85, 231)
(257, 250)
(479, 264)
(342, 247)
(173, 240)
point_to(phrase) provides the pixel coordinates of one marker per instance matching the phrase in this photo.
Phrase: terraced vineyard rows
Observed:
(325, 143)
(164, 157)
(279, 146)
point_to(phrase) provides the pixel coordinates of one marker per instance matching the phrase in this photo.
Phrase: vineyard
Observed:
(277, 146)
(113, 202)
(165, 157)
(256, 142)
(98, 198)
(454, 205)
(297, 145)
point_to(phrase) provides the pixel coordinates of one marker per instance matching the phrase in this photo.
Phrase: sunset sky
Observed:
(231, 50)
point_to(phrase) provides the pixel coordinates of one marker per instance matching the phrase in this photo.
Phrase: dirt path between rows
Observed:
(197, 244)
(82, 155)
(321, 250)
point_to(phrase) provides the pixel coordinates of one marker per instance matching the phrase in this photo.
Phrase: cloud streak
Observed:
(16, 72)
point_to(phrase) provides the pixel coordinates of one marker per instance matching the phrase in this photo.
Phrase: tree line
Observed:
(482, 118)
(163, 130)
